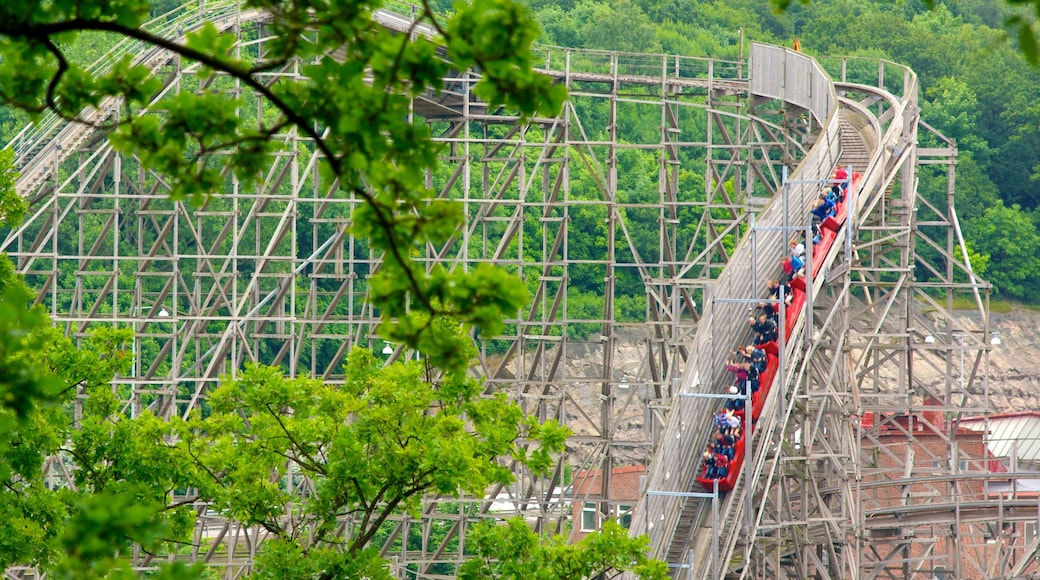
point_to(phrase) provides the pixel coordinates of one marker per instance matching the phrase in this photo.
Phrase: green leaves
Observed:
(1027, 42)
(497, 35)
(353, 102)
(1007, 235)
(120, 517)
(182, 145)
(122, 12)
(105, 519)
(210, 41)
(456, 301)
(12, 206)
(125, 467)
(514, 552)
(372, 448)
(22, 383)
(133, 82)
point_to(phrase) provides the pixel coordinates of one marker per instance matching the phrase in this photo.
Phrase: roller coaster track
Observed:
(800, 124)
(43, 146)
(696, 520)
(713, 534)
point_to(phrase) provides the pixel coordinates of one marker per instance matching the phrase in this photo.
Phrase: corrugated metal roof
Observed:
(981, 418)
(1018, 432)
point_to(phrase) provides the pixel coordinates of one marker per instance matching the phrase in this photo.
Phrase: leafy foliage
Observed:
(372, 449)
(513, 552)
(43, 372)
(976, 88)
(374, 152)
(1023, 25)
(1006, 235)
(367, 450)
(353, 109)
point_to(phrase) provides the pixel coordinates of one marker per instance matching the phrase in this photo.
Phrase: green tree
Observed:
(619, 25)
(374, 152)
(119, 493)
(1019, 161)
(1007, 236)
(42, 375)
(595, 556)
(952, 105)
(560, 27)
(1021, 19)
(372, 447)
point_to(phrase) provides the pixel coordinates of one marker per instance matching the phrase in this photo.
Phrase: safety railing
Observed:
(723, 323)
(559, 61)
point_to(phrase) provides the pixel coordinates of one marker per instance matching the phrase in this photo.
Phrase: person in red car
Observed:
(764, 329)
(792, 266)
(737, 402)
(709, 464)
(774, 287)
(721, 466)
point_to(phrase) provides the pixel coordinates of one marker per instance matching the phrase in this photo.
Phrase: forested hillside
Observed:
(977, 90)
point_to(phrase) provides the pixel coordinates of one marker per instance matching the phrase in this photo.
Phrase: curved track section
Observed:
(677, 524)
(698, 533)
(857, 467)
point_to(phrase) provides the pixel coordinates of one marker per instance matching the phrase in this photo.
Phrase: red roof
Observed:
(624, 481)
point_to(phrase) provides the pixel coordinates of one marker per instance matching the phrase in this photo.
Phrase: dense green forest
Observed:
(977, 90)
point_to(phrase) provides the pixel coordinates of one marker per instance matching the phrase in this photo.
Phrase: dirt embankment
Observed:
(1015, 364)
(1014, 375)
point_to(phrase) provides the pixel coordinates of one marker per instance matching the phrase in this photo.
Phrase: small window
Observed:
(588, 517)
(624, 516)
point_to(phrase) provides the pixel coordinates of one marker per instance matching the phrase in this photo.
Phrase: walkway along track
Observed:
(687, 530)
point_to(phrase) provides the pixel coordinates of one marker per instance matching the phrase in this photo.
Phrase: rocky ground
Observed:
(1014, 385)
(1015, 363)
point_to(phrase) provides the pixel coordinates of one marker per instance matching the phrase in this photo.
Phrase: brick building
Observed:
(927, 502)
(589, 510)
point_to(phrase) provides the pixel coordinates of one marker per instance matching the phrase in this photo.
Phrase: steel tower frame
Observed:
(271, 274)
(869, 478)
